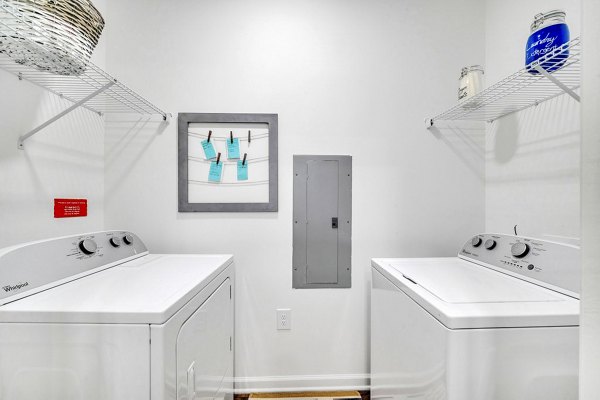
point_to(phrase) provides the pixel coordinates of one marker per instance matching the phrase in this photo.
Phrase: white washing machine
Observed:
(97, 317)
(498, 322)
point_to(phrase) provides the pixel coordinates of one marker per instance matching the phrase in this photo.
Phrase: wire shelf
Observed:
(523, 89)
(117, 98)
(93, 89)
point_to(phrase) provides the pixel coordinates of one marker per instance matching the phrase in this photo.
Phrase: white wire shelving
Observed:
(522, 89)
(94, 89)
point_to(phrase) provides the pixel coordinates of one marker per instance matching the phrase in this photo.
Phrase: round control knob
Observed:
(519, 249)
(128, 239)
(115, 242)
(490, 244)
(88, 246)
(476, 241)
(530, 267)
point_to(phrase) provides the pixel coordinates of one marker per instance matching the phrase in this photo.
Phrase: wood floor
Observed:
(364, 394)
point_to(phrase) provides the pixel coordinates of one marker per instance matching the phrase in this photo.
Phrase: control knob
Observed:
(88, 246)
(490, 244)
(519, 249)
(128, 239)
(115, 242)
(476, 241)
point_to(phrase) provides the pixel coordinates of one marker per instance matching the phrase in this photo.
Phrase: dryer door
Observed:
(205, 347)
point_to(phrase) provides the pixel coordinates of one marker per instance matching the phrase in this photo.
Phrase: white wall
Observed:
(350, 77)
(532, 157)
(590, 192)
(64, 160)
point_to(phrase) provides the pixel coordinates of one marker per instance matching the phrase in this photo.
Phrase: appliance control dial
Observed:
(490, 244)
(128, 239)
(115, 242)
(519, 249)
(88, 246)
(476, 241)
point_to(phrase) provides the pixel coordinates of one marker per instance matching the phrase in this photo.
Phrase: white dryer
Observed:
(97, 317)
(498, 322)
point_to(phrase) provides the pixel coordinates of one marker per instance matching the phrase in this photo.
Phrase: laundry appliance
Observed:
(498, 322)
(97, 317)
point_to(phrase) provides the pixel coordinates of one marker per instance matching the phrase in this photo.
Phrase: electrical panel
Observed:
(322, 221)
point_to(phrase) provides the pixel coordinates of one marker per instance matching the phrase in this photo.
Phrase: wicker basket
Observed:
(57, 36)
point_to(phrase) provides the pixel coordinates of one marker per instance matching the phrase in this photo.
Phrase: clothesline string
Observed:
(234, 162)
(257, 183)
(243, 138)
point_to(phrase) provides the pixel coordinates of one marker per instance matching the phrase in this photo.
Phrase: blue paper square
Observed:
(233, 149)
(242, 171)
(209, 150)
(216, 170)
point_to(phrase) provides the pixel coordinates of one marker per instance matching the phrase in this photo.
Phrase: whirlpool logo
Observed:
(18, 286)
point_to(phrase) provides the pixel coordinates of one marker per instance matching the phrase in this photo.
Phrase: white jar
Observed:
(470, 82)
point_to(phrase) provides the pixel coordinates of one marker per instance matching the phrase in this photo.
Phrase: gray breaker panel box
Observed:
(322, 221)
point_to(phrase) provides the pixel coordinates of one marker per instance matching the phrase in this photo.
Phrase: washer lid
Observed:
(148, 290)
(457, 281)
(462, 294)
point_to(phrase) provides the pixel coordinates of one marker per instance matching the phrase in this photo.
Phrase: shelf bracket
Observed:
(26, 136)
(558, 83)
(428, 123)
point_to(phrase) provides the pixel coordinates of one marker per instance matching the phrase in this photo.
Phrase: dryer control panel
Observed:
(32, 267)
(556, 266)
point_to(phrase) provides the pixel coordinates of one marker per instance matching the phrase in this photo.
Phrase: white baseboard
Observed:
(301, 383)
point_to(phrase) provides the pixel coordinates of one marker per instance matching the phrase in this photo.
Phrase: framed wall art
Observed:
(227, 162)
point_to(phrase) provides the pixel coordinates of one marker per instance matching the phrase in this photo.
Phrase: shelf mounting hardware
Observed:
(558, 83)
(78, 104)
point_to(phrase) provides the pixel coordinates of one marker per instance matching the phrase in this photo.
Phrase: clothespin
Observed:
(231, 136)
(244, 160)
(218, 158)
(209, 135)
(249, 137)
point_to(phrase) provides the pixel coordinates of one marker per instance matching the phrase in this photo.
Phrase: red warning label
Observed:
(69, 208)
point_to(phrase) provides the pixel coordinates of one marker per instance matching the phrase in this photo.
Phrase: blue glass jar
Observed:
(549, 32)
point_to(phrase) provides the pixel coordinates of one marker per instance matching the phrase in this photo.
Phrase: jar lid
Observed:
(466, 70)
(539, 19)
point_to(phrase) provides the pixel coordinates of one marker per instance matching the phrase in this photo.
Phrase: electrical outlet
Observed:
(284, 319)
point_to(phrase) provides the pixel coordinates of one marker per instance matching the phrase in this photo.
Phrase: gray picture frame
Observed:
(184, 120)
